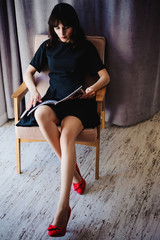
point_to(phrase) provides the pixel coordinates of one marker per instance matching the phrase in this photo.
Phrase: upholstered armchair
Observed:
(90, 136)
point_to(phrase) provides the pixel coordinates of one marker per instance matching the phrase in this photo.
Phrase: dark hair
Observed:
(65, 13)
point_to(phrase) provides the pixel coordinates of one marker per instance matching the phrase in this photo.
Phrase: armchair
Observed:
(90, 136)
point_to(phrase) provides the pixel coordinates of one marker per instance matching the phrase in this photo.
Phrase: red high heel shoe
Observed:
(79, 187)
(54, 231)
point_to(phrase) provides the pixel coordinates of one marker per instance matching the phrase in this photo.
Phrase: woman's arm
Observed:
(29, 80)
(103, 80)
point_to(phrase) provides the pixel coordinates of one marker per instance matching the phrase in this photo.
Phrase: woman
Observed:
(69, 56)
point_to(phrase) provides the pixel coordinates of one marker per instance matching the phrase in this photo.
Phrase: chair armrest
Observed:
(20, 92)
(100, 94)
(18, 96)
(100, 98)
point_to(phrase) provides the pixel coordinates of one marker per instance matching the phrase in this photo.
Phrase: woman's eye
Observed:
(65, 27)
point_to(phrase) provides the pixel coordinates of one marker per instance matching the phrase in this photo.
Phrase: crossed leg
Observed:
(64, 146)
(47, 121)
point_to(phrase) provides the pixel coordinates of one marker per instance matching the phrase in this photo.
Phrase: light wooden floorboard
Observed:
(124, 204)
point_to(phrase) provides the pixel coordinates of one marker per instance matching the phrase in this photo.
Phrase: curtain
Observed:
(9, 57)
(132, 33)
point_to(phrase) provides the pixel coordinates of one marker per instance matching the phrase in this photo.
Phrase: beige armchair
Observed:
(90, 136)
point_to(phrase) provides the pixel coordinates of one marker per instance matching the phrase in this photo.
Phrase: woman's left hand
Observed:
(89, 93)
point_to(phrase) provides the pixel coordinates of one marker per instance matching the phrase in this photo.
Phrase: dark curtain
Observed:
(132, 32)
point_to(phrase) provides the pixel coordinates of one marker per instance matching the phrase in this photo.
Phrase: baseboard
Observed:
(3, 119)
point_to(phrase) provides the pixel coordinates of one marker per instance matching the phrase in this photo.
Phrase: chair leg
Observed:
(18, 157)
(103, 114)
(103, 119)
(97, 162)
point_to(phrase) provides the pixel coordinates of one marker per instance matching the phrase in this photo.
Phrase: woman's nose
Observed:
(62, 31)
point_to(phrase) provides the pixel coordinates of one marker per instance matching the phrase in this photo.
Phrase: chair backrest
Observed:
(97, 41)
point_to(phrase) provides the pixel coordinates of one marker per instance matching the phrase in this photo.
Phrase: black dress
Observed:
(68, 65)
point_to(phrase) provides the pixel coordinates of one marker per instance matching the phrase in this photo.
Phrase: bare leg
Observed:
(64, 146)
(47, 121)
(68, 162)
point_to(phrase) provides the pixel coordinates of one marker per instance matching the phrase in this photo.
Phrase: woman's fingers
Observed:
(33, 100)
(89, 93)
(39, 99)
(31, 103)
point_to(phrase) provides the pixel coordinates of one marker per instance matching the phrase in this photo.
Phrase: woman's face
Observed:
(64, 32)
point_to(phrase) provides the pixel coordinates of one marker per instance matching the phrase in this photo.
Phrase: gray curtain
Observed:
(132, 32)
(9, 57)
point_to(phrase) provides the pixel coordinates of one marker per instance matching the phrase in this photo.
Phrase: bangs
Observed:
(64, 21)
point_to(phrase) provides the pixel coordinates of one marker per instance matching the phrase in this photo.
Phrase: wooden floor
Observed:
(124, 204)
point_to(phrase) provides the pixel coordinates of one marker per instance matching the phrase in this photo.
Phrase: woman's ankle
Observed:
(76, 177)
(60, 217)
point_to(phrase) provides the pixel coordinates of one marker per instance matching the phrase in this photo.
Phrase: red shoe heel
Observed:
(54, 231)
(79, 187)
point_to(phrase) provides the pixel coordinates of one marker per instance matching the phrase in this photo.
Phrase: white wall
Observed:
(3, 113)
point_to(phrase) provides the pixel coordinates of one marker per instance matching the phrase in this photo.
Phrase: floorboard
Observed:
(124, 204)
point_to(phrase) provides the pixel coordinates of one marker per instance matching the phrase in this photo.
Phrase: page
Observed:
(77, 93)
(43, 103)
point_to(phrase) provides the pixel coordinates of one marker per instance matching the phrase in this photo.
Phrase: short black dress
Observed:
(68, 65)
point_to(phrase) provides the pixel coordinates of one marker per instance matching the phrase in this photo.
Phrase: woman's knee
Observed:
(43, 114)
(70, 129)
(39, 114)
(67, 137)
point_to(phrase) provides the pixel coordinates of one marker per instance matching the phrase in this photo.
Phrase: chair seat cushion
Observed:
(34, 133)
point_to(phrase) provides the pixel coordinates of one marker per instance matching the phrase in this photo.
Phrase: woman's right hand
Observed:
(34, 98)
(29, 80)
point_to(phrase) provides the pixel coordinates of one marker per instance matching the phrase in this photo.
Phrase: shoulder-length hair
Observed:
(65, 14)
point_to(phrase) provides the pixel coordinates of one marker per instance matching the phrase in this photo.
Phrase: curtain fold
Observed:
(9, 54)
(133, 36)
(132, 33)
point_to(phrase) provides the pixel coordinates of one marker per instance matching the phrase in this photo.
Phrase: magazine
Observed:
(75, 94)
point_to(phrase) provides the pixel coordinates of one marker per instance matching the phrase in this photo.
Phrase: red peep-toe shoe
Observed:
(79, 187)
(54, 231)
